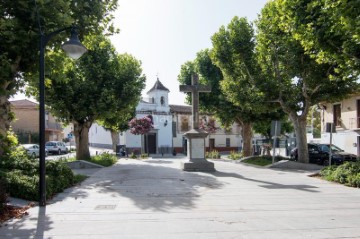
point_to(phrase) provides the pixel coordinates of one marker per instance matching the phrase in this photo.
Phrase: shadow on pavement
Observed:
(151, 185)
(267, 184)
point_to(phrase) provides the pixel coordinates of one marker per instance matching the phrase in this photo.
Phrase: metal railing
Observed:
(53, 125)
(354, 123)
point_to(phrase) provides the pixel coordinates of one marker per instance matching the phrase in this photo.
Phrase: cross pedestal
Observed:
(196, 137)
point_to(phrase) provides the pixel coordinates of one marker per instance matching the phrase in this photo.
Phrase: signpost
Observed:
(70, 136)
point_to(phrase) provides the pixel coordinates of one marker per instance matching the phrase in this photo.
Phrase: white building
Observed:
(170, 123)
(345, 115)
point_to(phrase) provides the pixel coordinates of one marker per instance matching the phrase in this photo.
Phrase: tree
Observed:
(20, 25)
(234, 53)
(293, 78)
(117, 123)
(141, 126)
(329, 31)
(96, 87)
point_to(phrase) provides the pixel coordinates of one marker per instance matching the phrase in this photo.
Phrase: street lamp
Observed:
(75, 50)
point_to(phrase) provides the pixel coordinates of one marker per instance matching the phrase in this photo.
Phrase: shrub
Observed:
(133, 155)
(144, 156)
(347, 173)
(212, 154)
(104, 159)
(235, 155)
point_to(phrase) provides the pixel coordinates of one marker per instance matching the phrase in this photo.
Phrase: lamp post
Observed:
(75, 50)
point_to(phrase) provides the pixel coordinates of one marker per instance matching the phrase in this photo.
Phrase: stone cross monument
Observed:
(196, 137)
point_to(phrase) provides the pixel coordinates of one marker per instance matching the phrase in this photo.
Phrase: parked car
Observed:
(319, 154)
(33, 150)
(56, 147)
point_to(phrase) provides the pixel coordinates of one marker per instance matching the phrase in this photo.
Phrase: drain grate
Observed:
(105, 207)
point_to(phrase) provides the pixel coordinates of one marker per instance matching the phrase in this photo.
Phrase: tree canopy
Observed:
(294, 79)
(21, 24)
(101, 85)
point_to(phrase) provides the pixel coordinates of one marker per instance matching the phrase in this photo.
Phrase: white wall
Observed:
(347, 140)
(98, 136)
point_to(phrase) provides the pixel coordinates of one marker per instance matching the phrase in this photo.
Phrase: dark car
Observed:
(319, 154)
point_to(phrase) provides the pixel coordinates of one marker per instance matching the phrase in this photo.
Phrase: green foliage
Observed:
(101, 86)
(262, 160)
(327, 30)
(235, 155)
(347, 173)
(133, 155)
(27, 137)
(21, 175)
(21, 24)
(104, 159)
(214, 154)
(144, 156)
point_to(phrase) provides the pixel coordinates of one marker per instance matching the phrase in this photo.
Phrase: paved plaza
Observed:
(154, 199)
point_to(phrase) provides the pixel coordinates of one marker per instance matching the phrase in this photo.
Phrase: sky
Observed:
(164, 34)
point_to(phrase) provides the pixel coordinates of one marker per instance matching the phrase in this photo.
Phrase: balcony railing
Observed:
(354, 123)
(53, 126)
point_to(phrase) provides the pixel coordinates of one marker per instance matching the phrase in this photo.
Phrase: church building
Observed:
(170, 123)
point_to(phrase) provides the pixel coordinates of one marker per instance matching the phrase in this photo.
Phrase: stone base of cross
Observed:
(196, 137)
(196, 152)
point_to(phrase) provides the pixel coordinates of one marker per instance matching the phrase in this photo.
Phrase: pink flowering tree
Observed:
(208, 126)
(141, 125)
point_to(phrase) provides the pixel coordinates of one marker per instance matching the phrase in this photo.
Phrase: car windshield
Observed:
(50, 144)
(326, 148)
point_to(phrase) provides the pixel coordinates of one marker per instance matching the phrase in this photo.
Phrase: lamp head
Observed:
(73, 46)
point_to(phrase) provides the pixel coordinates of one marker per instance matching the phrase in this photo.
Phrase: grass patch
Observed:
(261, 160)
(104, 159)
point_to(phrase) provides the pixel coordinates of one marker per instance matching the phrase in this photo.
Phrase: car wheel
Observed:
(59, 152)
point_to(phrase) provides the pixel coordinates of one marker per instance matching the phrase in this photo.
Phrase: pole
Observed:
(42, 183)
(330, 151)
(275, 135)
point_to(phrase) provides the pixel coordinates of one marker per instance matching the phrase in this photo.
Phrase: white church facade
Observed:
(170, 124)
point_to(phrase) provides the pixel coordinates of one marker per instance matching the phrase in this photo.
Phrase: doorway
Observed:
(211, 144)
(150, 143)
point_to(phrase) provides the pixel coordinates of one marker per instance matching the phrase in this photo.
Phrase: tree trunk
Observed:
(81, 132)
(246, 133)
(299, 123)
(115, 139)
(5, 119)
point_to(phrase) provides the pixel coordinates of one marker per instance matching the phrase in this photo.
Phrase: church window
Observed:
(227, 142)
(162, 100)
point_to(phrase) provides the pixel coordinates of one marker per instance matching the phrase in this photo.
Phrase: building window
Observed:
(162, 100)
(184, 123)
(337, 114)
(227, 142)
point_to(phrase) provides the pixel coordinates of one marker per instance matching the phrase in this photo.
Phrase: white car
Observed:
(33, 150)
(56, 147)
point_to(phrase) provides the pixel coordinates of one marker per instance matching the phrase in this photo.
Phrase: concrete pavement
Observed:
(155, 199)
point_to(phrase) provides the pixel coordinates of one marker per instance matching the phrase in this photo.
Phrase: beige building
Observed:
(345, 115)
(221, 140)
(27, 122)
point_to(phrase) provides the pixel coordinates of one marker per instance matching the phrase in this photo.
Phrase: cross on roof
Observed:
(195, 88)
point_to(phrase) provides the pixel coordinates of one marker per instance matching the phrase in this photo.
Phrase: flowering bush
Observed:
(141, 126)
